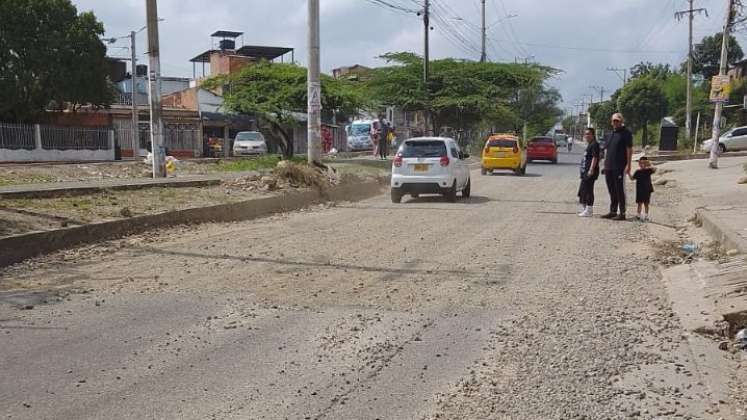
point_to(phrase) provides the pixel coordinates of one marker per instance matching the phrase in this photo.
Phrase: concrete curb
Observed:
(53, 191)
(672, 158)
(720, 230)
(18, 248)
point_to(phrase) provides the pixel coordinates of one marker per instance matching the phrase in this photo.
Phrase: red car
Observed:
(542, 148)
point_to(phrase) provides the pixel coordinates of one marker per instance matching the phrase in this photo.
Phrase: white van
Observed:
(360, 135)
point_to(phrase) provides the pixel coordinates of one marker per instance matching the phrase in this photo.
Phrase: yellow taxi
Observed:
(504, 152)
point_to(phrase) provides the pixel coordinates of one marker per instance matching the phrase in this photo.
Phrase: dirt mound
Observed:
(286, 175)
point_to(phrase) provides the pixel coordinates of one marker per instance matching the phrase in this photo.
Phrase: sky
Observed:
(582, 38)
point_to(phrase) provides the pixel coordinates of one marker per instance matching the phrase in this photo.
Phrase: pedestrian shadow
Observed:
(437, 199)
(513, 175)
(143, 250)
(548, 163)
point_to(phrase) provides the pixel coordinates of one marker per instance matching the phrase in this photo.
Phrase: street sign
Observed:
(315, 96)
(720, 89)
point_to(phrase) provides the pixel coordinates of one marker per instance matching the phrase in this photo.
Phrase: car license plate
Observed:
(499, 154)
(421, 167)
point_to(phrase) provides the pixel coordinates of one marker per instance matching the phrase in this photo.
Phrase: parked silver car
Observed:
(732, 140)
(249, 143)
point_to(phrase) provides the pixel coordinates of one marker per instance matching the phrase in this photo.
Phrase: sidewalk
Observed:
(715, 196)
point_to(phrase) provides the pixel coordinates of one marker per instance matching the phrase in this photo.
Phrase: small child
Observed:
(643, 187)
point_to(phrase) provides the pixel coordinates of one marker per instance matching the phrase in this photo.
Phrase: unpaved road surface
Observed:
(503, 306)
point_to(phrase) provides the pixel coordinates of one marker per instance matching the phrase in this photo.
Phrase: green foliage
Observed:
(602, 112)
(707, 55)
(49, 55)
(650, 70)
(248, 165)
(466, 94)
(642, 101)
(278, 93)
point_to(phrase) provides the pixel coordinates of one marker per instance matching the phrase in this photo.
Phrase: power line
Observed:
(656, 26)
(592, 49)
(392, 6)
(511, 31)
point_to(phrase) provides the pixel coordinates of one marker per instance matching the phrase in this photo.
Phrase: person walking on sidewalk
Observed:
(643, 187)
(618, 157)
(589, 173)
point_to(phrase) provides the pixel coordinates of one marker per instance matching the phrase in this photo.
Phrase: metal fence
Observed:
(71, 138)
(17, 136)
(30, 137)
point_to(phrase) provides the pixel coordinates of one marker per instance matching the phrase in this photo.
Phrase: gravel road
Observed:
(503, 306)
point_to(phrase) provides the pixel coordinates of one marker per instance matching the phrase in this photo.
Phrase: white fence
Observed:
(42, 143)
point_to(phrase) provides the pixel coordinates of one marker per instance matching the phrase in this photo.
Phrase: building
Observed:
(354, 72)
(225, 58)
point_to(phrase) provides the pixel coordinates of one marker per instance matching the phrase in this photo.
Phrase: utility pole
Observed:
(689, 108)
(617, 71)
(314, 125)
(154, 91)
(133, 80)
(716, 130)
(601, 92)
(484, 56)
(426, 64)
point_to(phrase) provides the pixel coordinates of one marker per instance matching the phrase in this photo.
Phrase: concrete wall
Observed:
(41, 155)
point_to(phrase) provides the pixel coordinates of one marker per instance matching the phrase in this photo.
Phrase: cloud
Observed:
(581, 37)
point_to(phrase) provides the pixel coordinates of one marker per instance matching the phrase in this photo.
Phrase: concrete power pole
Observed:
(314, 127)
(135, 114)
(716, 130)
(484, 56)
(426, 64)
(154, 91)
(689, 109)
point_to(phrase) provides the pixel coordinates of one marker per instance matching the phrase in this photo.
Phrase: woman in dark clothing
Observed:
(589, 173)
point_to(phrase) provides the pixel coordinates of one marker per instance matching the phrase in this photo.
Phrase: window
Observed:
(423, 149)
(454, 152)
(360, 129)
(248, 136)
(506, 144)
(541, 140)
(739, 132)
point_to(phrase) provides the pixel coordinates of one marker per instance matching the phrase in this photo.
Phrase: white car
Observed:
(360, 135)
(732, 140)
(430, 165)
(249, 143)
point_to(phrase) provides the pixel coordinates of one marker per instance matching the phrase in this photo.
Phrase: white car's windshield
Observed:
(248, 136)
(360, 129)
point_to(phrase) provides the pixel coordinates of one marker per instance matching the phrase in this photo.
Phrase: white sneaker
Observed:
(588, 212)
(644, 217)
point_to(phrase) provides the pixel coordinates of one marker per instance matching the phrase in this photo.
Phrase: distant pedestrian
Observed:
(384, 130)
(589, 173)
(643, 187)
(617, 161)
(375, 134)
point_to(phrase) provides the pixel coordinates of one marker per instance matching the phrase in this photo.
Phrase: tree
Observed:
(642, 101)
(601, 112)
(648, 69)
(277, 93)
(49, 54)
(464, 94)
(707, 55)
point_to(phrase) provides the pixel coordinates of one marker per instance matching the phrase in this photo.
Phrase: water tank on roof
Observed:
(227, 44)
(141, 70)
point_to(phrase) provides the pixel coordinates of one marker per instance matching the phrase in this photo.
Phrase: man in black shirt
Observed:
(618, 157)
